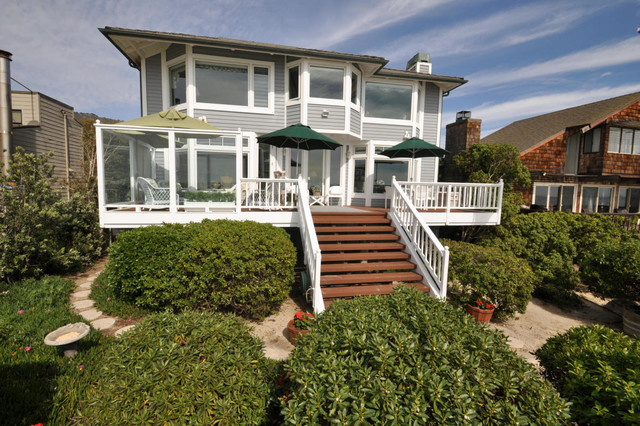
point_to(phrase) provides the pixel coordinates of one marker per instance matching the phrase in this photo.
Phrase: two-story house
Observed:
(162, 173)
(582, 159)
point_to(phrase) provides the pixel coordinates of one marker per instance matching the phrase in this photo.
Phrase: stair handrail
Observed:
(428, 250)
(311, 247)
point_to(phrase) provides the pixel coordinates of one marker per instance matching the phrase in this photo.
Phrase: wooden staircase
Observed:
(361, 255)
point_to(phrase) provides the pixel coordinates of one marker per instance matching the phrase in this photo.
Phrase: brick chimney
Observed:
(460, 136)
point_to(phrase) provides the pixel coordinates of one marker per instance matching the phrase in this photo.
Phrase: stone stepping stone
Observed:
(91, 314)
(85, 286)
(83, 304)
(103, 323)
(123, 330)
(81, 294)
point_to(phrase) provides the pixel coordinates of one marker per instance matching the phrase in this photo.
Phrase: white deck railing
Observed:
(312, 255)
(269, 194)
(460, 196)
(431, 256)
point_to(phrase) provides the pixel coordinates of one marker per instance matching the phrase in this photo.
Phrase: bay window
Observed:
(388, 100)
(326, 82)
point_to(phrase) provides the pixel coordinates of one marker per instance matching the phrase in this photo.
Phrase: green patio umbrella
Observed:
(414, 148)
(170, 118)
(298, 136)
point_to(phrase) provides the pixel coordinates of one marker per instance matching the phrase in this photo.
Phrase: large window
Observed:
(384, 171)
(386, 100)
(629, 200)
(591, 141)
(326, 82)
(624, 141)
(244, 85)
(177, 84)
(596, 199)
(554, 197)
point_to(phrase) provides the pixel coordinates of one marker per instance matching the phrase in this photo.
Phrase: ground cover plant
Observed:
(32, 374)
(507, 281)
(241, 267)
(598, 370)
(409, 358)
(197, 366)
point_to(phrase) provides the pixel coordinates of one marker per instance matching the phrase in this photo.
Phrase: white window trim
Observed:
(550, 184)
(357, 106)
(166, 90)
(611, 202)
(392, 121)
(251, 64)
(288, 66)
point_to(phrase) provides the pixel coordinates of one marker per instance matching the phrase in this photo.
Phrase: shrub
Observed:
(41, 233)
(243, 267)
(612, 268)
(505, 279)
(201, 368)
(408, 358)
(544, 241)
(598, 370)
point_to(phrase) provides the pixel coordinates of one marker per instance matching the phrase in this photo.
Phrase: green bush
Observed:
(210, 196)
(242, 267)
(506, 280)
(199, 368)
(409, 358)
(544, 241)
(598, 370)
(40, 232)
(612, 268)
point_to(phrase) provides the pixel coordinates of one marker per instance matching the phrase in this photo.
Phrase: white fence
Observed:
(269, 194)
(460, 196)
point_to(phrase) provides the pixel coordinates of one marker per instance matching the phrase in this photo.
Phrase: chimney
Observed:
(460, 136)
(5, 109)
(421, 62)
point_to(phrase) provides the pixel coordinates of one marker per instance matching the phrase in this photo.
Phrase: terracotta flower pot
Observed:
(480, 315)
(293, 332)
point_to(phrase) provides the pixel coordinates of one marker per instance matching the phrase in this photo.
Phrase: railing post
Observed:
(445, 273)
(448, 209)
(500, 189)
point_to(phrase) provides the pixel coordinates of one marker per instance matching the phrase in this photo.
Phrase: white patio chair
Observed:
(335, 192)
(153, 194)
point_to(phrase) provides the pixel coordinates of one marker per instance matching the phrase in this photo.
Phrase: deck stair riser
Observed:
(361, 255)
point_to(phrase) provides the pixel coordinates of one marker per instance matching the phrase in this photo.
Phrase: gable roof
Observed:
(135, 44)
(527, 133)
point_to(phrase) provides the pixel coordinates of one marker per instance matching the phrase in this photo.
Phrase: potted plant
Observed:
(299, 325)
(316, 191)
(480, 308)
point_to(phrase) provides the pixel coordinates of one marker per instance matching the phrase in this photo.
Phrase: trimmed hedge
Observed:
(408, 358)
(241, 267)
(506, 280)
(598, 370)
(197, 368)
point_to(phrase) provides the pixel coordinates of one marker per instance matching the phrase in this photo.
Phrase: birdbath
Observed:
(66, 338)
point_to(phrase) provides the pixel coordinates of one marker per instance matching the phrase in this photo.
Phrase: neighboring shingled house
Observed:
(582, 159)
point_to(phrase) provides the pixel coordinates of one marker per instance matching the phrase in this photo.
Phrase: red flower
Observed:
(479, 302)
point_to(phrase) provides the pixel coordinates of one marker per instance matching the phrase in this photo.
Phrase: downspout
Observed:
(66, 148)
(6, 120)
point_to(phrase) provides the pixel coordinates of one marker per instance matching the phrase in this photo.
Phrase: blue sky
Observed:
(521, 58)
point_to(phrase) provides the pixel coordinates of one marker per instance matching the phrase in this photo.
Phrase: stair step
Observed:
(355, 213)
(350, 219)
(378, 277)
(360, 246)
(348, 229)
(366, 266)
(359, 237)
(345, 257)
(365, 290)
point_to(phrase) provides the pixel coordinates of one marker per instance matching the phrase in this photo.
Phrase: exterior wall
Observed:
(385, 132)
(153, 74)
(334, 121)
(549, 158)
(621, 164)
(48, 135)
(355, 121)
(293, 114)
(430, 130)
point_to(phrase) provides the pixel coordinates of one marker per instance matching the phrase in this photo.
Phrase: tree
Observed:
(491, 162)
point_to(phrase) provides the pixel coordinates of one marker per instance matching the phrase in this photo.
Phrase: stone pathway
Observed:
(83, 305)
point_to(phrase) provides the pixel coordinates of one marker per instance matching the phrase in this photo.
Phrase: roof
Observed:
(527, 133)
(134, 44)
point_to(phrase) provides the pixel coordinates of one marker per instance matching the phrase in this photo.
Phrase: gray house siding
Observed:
(430, 126)
(334, 121)
(355, 121)
(384, 132)
(29, 104)
(153, 75)
(48, 135)
(293, 114)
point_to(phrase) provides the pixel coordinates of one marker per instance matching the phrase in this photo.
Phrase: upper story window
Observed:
(294, 82)
(16, 117)
(178, 84)
(355, 88)
(325, 82)
(624, 141)
(388, 100)
(591, 141)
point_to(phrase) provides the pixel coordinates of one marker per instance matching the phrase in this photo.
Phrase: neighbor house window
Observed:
(233, 84)
(596, 199)
(16, 117)
(326, 83)
(629, 200)
(294, 82)
(554, 197)
(591, 141)
(624, 141)
(178, 84)
(386, 100)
